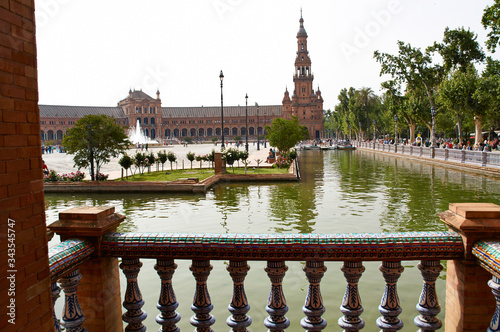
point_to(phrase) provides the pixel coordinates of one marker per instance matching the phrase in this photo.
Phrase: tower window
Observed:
(302, 47)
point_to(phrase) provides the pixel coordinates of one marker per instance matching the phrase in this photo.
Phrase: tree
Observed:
(162, 158)
(108, 140)
(171, 158)
(231, 155)
(284, 134)
(190, 156)
(491, 20)
(126, 162)
(459, 49)
(415, 69)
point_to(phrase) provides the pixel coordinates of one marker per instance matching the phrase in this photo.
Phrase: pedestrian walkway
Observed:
(63, 162)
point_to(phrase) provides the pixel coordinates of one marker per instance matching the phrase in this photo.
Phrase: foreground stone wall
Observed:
(24, 274)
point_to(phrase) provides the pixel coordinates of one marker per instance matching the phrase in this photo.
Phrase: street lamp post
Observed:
(246, 122)
(360, 134)
(92, 176)
(258, 141)
(221, 76)
(349, 132)
(433, 129)
(265, 129)
(374, 132)
(395, 129)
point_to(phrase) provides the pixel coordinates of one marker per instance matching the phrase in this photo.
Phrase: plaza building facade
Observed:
(200, 123)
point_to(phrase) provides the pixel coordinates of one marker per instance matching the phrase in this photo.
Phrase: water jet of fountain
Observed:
(136, 135)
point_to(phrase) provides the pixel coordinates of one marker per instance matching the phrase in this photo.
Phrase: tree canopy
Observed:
(284, 134)
(108, 140)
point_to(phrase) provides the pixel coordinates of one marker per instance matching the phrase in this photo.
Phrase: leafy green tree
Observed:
(108, 140)
(415, 69)
(214, 140)
(231, 155)
(126, 162)
(284, 134)
(171, 158)
(162, 158)
(491, 20)
(140, 161)
(188, 140)
(459, 49)
(190, 156)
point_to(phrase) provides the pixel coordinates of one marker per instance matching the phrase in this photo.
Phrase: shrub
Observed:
(101, 177)
(51, 177)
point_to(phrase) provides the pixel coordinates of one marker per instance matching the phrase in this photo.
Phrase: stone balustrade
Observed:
(479, 158)
(472, 234)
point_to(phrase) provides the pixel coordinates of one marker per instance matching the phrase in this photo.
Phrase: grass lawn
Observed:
(201, 174)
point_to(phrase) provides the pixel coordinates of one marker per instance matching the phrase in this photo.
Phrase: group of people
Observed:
(51, 149)
(271, 158)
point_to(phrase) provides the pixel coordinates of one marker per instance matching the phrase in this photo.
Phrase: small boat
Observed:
(310, 147)
(346, 147)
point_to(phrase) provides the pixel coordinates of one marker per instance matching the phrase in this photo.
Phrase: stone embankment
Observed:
(190, 185)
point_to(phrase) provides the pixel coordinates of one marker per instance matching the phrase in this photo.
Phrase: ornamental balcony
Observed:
(90, 247)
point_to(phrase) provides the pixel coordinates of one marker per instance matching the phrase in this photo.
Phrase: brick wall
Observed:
(21, 187)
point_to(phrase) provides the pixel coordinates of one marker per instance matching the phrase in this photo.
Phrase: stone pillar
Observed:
(99, 289)
(220, 164)
(469, 302)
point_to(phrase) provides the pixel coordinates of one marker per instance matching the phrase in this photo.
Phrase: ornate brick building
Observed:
(201, 123)
(305, 104)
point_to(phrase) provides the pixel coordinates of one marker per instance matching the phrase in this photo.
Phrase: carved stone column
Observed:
(238, 321)
(389, 306)
(133, 301)
(202, 304)
(351, 304)
(55, 295)
(73, 317)
(276, 305)
(167, 303)
(428, 305)
(314, 308)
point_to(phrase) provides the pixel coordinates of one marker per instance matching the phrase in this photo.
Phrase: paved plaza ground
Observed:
(63, 162)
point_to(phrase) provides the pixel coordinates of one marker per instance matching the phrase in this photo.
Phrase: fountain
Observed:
(136, 135)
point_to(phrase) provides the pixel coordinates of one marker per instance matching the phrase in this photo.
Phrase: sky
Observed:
(91, 52)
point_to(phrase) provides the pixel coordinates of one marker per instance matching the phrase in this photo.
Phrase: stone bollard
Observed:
(99, 289)
(469, 302)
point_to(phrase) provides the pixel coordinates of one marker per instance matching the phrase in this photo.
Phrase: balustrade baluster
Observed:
(351, 304)
(314, 307)
(238, 321)
(428, 305)
(494, 284)
(133, 301)
(276, 304)
(202, 304)
(167, 303)
(389, 306)
(55, 295)
(73, 317)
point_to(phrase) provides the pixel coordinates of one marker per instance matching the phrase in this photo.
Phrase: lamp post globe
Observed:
(221, 76)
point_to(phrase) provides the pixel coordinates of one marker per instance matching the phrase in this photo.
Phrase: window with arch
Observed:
(152, 121)
(145, 121)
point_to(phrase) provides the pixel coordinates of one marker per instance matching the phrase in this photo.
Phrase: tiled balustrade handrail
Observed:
(68, 255)
(297, 247)
(352, 249)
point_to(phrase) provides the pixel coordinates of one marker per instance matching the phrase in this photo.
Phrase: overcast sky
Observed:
(91, 52)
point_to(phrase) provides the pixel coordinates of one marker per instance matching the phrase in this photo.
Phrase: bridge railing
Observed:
(483, 158)
(428, 248)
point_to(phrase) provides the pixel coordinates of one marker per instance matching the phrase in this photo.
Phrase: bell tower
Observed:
(305, 103)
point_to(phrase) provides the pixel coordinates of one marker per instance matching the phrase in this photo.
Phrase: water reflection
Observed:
(340, 192)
